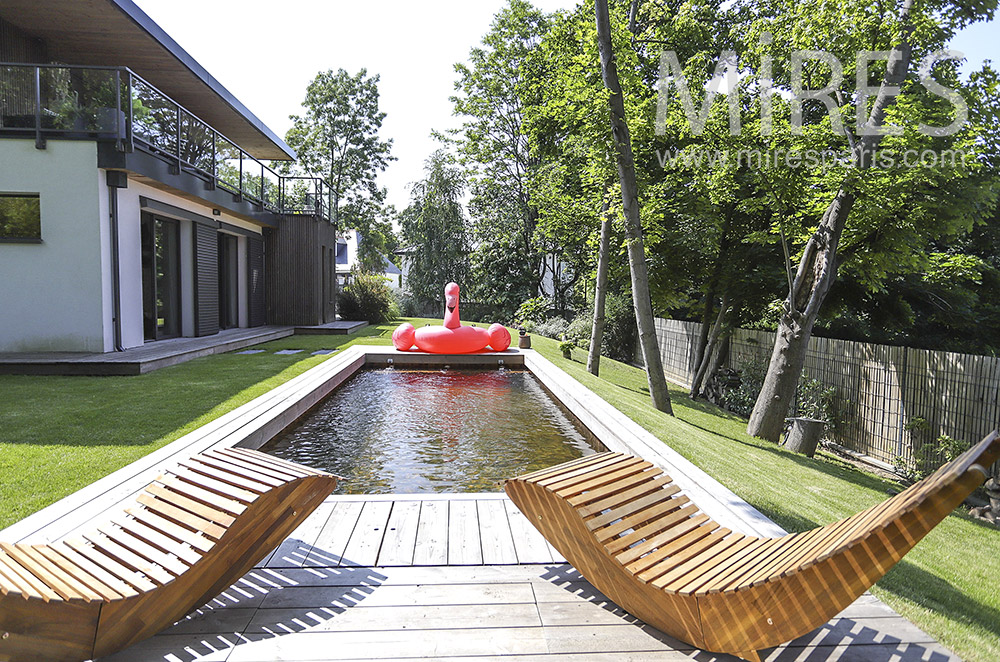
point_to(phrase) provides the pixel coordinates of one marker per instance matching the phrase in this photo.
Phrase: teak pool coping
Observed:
(253, 424)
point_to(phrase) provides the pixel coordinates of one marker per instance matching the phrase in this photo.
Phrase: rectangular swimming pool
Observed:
(412, 431)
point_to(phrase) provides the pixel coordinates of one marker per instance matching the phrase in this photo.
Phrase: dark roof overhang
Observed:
(117, 33)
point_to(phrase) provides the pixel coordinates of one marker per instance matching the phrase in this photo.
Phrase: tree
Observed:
(494, 88)
(600, 293)
(860, 182)
(630, 205)
(433, 229)
(337, 139)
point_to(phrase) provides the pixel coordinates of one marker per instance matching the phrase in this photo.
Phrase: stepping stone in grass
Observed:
(323, 351)
(289, 351)
(251, 351)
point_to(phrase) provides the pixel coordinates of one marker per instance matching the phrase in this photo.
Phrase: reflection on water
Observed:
(396, 431)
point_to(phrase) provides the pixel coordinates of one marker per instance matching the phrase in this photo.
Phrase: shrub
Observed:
(368, 297)
(553, 327)
(579, 330)
(928, 455)
(740, 400)
(533, 311)
(620, 333)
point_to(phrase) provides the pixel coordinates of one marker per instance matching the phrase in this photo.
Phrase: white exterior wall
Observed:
(129, 231)
(57, 295)
(52, 294)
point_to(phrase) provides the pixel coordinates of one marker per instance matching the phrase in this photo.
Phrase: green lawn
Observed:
(58, 434)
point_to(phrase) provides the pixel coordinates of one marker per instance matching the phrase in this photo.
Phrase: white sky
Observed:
(267, 52)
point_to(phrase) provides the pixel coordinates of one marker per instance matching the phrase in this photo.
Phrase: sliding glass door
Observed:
(229, 282)
(161, 291)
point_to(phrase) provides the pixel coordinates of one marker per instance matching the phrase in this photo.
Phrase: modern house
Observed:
(135, 203)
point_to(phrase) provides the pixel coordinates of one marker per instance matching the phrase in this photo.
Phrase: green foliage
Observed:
(620, 333)
(554, 327)
(816, 400)
(434, 231)
(927, 454)
(336, 138)
(566, 347)
(813, 399)
(579, 330)
(492, 92)
(533, 311)
(368, 297)
(741, 400)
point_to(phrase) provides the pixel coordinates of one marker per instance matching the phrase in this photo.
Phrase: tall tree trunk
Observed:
(630, 204)
(713, 340)
(706, 326)
(818, 269)
(600, 290)
(713, 287)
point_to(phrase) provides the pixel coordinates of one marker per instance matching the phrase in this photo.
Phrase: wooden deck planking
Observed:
(295, 550)
(495, 533)
(366, 539)
(328, 551)
(333, 608)
(529, 545)
(138, 360)
(432, 534)
(464, 540)
(400, 539)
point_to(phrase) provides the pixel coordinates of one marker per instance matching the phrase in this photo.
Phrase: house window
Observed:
(20, 218)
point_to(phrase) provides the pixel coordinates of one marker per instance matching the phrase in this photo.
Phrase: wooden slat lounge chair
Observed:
(187, 537)
(631, 532)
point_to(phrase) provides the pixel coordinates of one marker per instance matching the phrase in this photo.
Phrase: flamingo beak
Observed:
(452, 302)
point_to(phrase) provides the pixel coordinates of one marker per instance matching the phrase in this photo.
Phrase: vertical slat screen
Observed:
(206, 280)
(255, 282)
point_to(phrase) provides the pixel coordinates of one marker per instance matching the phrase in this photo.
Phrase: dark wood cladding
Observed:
(18, 46)
(294, 264)
(206, 279)
(255, 282)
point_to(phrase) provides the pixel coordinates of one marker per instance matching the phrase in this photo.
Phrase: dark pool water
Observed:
(401, 431)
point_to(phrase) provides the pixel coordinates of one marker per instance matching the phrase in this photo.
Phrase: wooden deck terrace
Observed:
(159, 354)
(138, 360)
(457, 578)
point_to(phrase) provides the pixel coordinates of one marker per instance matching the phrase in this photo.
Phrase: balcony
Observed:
(115, 105)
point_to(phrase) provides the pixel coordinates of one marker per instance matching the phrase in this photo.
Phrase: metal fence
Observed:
(889, 399)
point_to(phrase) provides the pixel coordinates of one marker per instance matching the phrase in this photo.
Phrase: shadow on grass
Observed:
(918, 586)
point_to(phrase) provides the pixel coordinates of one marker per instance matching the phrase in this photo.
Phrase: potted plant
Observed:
(566, 347)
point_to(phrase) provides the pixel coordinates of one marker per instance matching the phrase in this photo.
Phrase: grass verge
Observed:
(58, 434)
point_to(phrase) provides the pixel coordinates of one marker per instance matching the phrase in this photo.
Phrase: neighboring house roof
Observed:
(390, 268)
(117, 33)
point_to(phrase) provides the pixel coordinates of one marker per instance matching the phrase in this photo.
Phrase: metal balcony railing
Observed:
(115, 103)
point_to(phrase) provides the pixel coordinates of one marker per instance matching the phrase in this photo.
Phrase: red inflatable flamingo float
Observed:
(452, 338)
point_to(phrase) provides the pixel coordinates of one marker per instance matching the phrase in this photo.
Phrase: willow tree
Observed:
(434, 230)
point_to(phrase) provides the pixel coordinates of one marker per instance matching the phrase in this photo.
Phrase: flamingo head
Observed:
(451, 319)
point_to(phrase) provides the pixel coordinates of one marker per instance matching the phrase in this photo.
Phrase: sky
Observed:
(267, 52)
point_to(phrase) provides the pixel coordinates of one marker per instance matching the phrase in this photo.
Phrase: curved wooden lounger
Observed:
(189, 535)
(631, 532)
